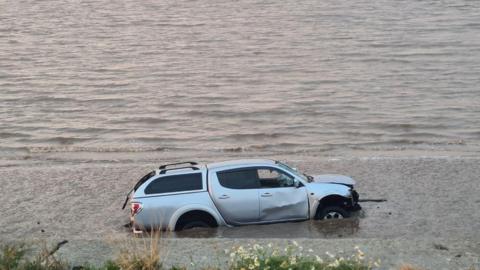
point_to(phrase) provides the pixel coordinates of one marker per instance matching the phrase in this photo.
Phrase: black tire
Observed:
(332, 212)
(195, 219)
(194, 224)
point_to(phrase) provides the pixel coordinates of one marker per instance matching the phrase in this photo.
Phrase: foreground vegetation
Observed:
(293, 257)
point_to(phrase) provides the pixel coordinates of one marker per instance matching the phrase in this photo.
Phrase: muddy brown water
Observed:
(426, 197)
(305, 229)
(298, 229)
(169, 78)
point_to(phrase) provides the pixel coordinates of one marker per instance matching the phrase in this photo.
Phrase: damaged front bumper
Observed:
(353, 203)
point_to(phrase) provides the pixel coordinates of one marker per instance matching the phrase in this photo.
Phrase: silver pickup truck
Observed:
(185, 195)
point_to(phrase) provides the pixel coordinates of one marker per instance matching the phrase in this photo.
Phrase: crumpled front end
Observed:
(326, 187)
(353, 203)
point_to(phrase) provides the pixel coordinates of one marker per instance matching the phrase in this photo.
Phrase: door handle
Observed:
(224, 196)
(266, 194)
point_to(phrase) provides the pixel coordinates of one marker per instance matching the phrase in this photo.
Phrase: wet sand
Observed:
(430, 201)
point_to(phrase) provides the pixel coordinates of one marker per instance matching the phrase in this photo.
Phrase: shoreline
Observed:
(10, 159)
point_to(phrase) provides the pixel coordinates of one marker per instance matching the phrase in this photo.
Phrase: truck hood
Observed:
(334, 178)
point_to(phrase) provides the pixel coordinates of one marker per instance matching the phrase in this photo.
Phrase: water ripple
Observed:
(245, 76)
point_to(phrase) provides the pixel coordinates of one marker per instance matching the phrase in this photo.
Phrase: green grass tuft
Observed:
(11, 256)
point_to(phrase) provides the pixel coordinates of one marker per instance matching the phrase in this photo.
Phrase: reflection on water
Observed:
(305, 229)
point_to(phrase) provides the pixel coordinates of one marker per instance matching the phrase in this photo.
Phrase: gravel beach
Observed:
(430, 217)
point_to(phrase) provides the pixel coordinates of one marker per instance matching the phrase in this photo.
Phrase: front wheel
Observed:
(333, 212)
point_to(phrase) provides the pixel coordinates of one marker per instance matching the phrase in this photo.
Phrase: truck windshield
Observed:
(294, 171)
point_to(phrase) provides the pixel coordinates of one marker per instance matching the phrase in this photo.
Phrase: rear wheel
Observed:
(333, 212)
(195, 224)
(195, 219)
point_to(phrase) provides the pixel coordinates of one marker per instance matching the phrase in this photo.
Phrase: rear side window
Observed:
(239, 179)
(143, 180)
(175, 183)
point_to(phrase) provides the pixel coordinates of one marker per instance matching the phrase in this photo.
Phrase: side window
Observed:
(273, 178)
(175, 183)
(143, 180)
(239, 179)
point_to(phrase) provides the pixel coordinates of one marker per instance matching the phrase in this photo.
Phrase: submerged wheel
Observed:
(333, 212)
(195, 224)
(195, 219)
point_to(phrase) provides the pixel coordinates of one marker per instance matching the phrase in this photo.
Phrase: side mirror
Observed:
(296, 183)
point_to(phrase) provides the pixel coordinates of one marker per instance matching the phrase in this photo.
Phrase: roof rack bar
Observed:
(179, 168)
(178, 163)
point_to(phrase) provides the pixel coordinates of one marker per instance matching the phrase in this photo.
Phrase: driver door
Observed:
(280, 199)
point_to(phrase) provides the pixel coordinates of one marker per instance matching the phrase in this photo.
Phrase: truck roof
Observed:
(193, 166)
(240, 162)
